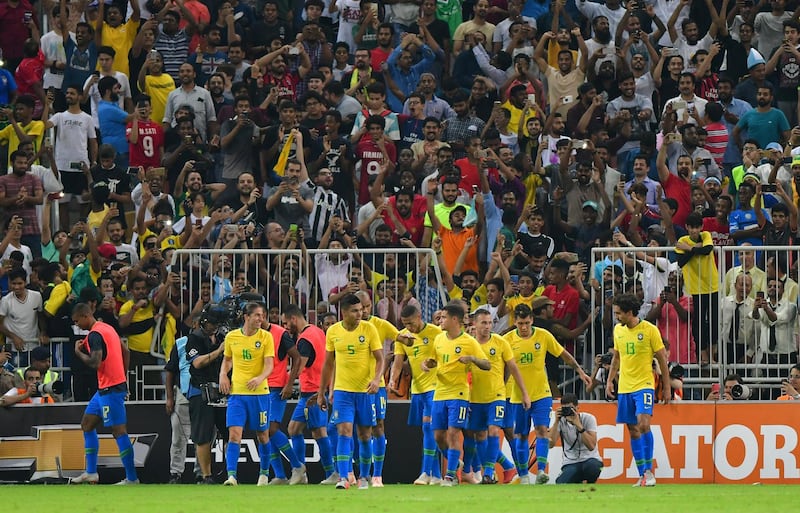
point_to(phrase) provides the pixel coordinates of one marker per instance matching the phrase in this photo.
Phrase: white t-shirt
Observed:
(609, 53)
(127, 253)
(34, 400)
(687, 51)
(349, 16)
(695, 103)
(645, 85)
(769, 29)
(94, 93)
(72, 134)
(26, 253)
(52, 46)
(501, 34)
(21, 317)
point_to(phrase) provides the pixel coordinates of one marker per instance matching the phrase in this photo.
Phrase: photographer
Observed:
(31, 393)
(204, 349)
(731, 380)
(578, 434)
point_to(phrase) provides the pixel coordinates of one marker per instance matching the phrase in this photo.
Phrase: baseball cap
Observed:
(591, 204)
(774, 146)
(107, 250)
(541, 301)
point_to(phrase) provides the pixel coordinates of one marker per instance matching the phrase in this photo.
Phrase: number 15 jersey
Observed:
(529, 354)
(636, 347)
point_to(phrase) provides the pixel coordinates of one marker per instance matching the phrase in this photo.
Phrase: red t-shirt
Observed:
(470, 176)
(147, 150)
(370, 157)
(287, 85)
(567, 301)
(720, 234)
(415, 224)
(681, 190)
(379, 56)
(29, 72)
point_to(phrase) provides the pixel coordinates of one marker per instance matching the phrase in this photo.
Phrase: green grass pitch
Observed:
(400, 498)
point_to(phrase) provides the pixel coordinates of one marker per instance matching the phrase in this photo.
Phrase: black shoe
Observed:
(175, 479)
(488, 480)
(208, 481)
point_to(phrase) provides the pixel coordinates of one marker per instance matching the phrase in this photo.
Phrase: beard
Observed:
(603, 36)
(763, 103)
(114, 97)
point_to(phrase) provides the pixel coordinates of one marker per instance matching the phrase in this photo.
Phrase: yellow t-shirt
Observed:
(519, 299)
(442, 212)
(248, 355)
(532, 182)
(478, 297)
(140, 330)
(468, 27)
(121, 40)
(57, 297)
(158, 88)
(451, 375)
(387, 333)
(636, 347)
(95, 219)
(700, 275)
(421, 350)
(490, 386)
(34, 130)
(529, 354)
(355, 362)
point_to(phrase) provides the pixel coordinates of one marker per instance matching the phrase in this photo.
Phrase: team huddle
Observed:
(466, 392)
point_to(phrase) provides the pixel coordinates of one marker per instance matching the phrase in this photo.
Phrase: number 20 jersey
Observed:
(529, 354)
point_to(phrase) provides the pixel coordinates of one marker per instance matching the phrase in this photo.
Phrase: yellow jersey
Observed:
(248, 354)
(387, 333)
(355, 362)
(158, 89)
(418, 352)
(700, 274)
(515, 300)
(478, 297)
(636, 347)
(529, 354)
(451, 375)
(140, 330)
(121, 40)
(490, 386)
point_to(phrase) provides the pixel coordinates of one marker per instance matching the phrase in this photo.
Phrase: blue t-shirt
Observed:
(112, 125)
(764, 127)
(7, 86)
(80, 64)
(744, 220)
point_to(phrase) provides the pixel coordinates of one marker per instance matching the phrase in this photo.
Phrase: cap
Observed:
(754, 59)
(712, 179)
(656, 228)
(107, 250)
(40, 353)
(753, 176)
(796, 161)
(541, 301)
(774, 147)
(591, 204)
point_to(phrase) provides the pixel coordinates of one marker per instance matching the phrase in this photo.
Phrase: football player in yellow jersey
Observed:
(356, 350)
(636, 342)
(530, 346)
(415, 344)
(455, 354)
(249, 352)
(487, 404)
(387, 333)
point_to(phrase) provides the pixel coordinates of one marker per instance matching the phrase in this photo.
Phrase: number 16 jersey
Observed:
(248, 355)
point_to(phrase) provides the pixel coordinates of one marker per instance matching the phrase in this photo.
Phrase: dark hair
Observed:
(375, 120)
(694, 219)
(14, 274)
(522, 311)
(106, 84)
(737, 378)
(628, 303)
(334, 87)
(348, 301)
(714, 111)
(569, 398)
(16, 154)
(409, 311)
(454, 309)
(251, 307)
(107, 50)
(376, 88)
(335, 114)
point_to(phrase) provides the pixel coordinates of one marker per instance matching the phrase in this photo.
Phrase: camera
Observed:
(52, 388)
(212, 395)
(606, 359)
(676, 371)
(567, 411)
(740, 392)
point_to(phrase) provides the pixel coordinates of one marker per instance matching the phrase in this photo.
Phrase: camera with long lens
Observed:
(567, 411)
(676, 371)
(52, 388)
(740, 392)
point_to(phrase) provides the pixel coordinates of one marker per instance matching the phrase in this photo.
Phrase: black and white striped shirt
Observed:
(326, 203)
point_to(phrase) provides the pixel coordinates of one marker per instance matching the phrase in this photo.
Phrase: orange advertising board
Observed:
(703, 442)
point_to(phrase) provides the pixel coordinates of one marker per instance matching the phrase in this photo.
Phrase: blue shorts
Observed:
(277, 406)
(449, 413)
(421, 406)
(110, 407)
(539, 412)
(309, 414)
(380, 399)
(248, 410)
(483, 415)
(354, 407)
(630, 405)
(508, 418)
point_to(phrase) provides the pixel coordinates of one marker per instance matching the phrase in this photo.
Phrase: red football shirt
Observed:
(567, 301)
(147, 150)
(370, 157)
(678, 188)
(415, 224)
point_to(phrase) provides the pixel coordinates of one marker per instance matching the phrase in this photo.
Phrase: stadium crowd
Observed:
(509, 137)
